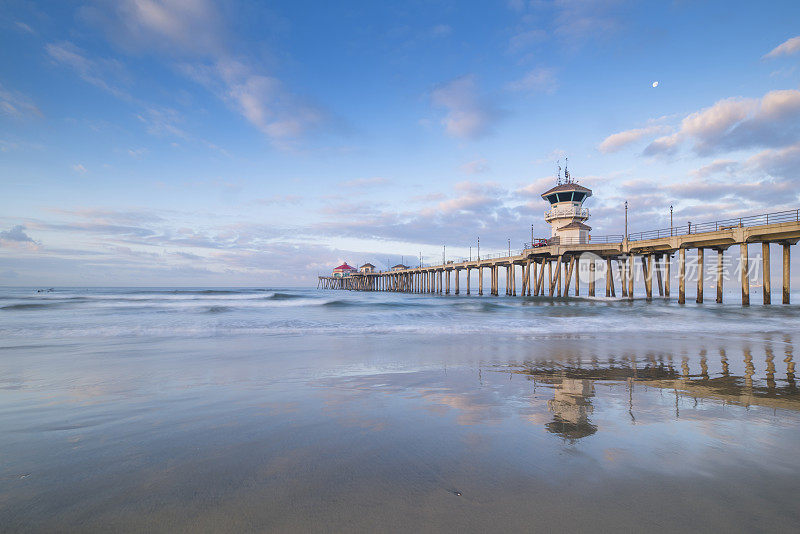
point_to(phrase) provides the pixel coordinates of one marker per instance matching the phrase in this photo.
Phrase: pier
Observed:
(550, 267)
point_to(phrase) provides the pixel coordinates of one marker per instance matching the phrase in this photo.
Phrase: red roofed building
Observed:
(344, 270)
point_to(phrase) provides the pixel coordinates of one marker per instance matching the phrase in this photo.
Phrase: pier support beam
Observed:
(540, 281)
(513, 280)
(622, 280)
(592, 268)
(568, 273)
(457, 277)
(530, 277)
(631, 265)
(447, 282)
(744, 265)
(480, 280)
(720, 263)
(667, 272)
(577, 276)
(786, 273)
(659, 266)
(682, 276)
(559, 278)
(765, 276)
(700, 276)
(648, 275)
(609, 277)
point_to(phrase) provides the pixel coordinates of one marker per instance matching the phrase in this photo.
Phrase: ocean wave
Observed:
(282, 296)
(32, 306)
(218, 309)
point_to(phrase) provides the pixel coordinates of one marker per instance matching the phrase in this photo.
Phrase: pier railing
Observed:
(714, 226)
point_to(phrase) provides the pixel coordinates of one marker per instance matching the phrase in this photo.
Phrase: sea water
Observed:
(214, 409)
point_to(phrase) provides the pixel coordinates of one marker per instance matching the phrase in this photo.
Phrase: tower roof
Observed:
(563, 188)
(576, 225)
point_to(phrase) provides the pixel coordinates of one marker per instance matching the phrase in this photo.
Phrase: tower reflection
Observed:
(571, 407)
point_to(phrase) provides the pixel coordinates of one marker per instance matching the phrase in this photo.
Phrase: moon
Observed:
(655, 84)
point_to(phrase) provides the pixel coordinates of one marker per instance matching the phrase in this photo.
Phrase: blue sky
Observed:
(187, 142)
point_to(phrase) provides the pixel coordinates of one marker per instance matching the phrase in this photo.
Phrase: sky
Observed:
(248, 143)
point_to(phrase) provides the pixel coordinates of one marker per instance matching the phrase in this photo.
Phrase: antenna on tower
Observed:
(559, 172)
(567, 178)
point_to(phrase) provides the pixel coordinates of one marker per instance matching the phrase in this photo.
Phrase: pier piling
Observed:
(786, 273)
(744, 265)
(765, 275)
(700, 276)
(631, 266)
(682, 276)
(720, 274)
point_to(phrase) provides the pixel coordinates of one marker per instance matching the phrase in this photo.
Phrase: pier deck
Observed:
(562, 262)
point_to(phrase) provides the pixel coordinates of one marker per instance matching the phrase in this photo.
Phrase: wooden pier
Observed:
(550, 267)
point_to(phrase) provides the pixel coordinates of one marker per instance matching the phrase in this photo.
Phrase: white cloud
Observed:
(787, 48)
(537, 80)
(16, 233)
(24, 27)
(467, 115)
(162, 121)
(620, 140)
(98, 72)
(778, 163)
(477, 166)
(194, 32)
(173, 26)
(17, 104)
(738, 123)
(715, 167)
(80, 169)
(526, 39)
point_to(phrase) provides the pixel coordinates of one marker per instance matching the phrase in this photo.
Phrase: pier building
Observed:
(343, 270)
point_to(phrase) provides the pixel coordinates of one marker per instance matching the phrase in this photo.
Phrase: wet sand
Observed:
(423, 432)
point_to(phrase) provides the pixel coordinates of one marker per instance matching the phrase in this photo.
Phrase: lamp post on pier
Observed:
(626, 220)
(479, 248)
(670, 220)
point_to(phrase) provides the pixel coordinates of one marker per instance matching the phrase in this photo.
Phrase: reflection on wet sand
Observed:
(571, 407)
(457, 432)
(573, 383)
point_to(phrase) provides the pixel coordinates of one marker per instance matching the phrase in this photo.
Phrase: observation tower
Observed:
(566, 215)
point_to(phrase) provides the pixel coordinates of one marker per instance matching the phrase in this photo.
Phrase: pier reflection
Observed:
(573, 380)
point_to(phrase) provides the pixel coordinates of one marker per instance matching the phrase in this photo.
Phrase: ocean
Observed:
(284, 409)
